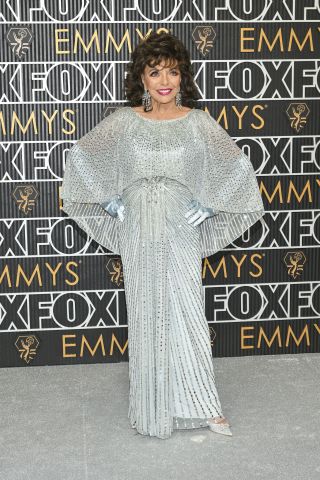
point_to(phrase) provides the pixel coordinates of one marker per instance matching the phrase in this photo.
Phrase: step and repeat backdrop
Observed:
(62, 67)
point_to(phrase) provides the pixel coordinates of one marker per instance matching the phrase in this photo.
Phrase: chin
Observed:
(165, 98)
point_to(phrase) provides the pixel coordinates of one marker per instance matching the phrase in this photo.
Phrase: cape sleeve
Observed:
(229, 186)
(92, 176)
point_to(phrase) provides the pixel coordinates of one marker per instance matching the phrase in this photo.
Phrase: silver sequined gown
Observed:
(158, 167)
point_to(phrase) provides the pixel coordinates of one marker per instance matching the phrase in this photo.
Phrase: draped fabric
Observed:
(193, 150)
(92, 176)
(172, 382)
(158, 167)
(228, 185)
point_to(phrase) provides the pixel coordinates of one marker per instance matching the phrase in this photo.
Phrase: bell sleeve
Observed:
(229, 186)
(92, 177)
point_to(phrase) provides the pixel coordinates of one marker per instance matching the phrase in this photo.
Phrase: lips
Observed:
(164, 91)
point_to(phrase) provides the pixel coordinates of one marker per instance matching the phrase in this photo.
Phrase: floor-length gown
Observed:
(172, 383)
(158, 167)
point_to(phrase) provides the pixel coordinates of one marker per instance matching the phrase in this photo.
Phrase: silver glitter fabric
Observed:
(172, 382)
(158, 167)
(193, 150)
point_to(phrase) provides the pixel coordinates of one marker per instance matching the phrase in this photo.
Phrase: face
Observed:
(162, 81)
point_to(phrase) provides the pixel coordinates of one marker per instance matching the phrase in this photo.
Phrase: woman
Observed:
(163, 185)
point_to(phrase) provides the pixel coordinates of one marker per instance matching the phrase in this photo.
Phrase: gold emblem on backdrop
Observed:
(25, 196)
(114, 267)
(27, 346)
(212, 335)
(19, 39)
(295, 262)
(298, 113)
(204, 37)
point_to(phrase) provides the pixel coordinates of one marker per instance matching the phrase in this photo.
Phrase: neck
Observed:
(164, 108)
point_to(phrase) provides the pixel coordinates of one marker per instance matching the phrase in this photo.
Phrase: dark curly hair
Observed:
(151, 51)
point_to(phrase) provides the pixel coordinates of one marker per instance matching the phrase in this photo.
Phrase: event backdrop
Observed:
(256, 67)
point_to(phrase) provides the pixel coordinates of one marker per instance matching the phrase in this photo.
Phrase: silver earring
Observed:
(178, 100)
(146, 100)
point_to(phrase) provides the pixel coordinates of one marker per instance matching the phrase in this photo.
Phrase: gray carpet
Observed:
(70, 423)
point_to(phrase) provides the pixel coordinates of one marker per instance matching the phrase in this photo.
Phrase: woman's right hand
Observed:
(200, 213)
(114, 206)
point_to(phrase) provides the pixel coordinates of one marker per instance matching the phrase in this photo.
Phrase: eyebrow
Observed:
(155, 68)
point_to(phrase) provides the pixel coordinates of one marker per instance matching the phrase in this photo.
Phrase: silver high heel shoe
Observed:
(216, 426)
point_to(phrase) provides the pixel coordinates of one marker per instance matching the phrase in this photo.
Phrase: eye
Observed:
(175, 72)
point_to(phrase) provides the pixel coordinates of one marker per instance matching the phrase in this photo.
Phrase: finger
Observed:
(200, 219)
(193, 218)
(121, 213)
(190, 212)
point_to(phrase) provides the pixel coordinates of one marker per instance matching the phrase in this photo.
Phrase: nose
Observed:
(164, 78)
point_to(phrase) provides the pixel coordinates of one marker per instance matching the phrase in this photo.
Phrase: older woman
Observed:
(162, 184)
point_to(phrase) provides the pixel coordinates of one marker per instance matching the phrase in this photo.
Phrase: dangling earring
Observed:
(146, 100)
(178, 100)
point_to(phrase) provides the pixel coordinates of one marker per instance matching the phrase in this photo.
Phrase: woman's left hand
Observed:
(199, 212)
(114, 206)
